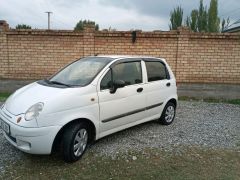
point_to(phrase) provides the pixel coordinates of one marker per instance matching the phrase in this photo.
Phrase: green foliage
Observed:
(204, 19)
(210, 100)
(176, 18)
(80, 25)
(225, 24)
(4, 96)
(23, 26)
(213, 19)
(194, 20)
(96, 27)
(188, 21)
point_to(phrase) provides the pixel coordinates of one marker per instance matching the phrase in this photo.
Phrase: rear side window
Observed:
(156, 71)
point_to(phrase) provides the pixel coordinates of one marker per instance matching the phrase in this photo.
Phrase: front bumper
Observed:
(37, 140)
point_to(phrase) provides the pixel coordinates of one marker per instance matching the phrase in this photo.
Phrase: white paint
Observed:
(63, 105)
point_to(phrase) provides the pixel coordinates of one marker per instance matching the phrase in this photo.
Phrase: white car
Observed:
(87, 100)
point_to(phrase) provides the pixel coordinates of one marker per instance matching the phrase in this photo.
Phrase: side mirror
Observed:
(117, 84)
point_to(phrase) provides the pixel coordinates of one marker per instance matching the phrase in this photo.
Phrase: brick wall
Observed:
(194, 57)
(34, 55)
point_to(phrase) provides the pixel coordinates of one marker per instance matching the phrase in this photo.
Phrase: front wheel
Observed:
(75, 141)
(168, 114)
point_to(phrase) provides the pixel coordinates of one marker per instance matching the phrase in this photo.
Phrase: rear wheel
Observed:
(75, 141)
(168, 114)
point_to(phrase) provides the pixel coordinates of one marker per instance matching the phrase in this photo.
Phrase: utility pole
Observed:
(48, 18)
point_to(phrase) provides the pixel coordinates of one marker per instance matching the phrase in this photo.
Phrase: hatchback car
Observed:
(87, 100)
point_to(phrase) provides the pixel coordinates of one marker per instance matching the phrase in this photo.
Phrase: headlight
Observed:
(33, 111)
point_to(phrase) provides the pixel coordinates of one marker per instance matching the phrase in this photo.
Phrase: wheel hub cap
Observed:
(170, 112)
(80, 142)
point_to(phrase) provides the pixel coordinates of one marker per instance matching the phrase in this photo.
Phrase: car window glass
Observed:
(130, 72)
(106, 82)
(156, 71)
(82, 72)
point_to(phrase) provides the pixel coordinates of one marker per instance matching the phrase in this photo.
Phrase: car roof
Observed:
(125, 56)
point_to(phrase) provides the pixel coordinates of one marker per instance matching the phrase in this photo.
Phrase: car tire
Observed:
(168, 114)
(75, 141)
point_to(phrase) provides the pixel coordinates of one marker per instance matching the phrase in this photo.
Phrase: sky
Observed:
(146, 15)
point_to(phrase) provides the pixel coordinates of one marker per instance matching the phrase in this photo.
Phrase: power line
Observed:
(60, 21)
(232, 24)
(230, 12)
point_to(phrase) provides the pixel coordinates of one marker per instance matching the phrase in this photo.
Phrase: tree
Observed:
(213, 19)
(192, 21)
(188, 21)
(96, 27)
(198, 19)
(202, 19)
(225, 24)
(80, 25)
(23, 26)
(176, 17)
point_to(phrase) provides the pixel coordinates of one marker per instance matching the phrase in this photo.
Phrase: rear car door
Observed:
(127, 104)
(158, 86)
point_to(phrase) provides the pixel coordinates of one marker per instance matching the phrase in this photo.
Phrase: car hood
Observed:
(20, 101)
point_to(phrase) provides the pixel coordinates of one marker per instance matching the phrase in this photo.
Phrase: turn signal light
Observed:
(19, 119)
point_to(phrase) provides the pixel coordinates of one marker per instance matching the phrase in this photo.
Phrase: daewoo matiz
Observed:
(87, 100)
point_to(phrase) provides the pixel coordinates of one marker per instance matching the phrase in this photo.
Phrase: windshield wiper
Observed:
(59, 83)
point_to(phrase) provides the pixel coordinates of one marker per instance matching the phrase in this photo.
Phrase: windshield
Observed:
(80, 73)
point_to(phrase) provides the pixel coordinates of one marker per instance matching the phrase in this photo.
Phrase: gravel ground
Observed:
(199, 124)
(8, 154)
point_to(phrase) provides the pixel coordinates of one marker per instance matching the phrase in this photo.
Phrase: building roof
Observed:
(232, 30)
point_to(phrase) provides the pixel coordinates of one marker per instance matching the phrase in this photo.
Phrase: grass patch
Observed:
(234, 101)
(210, 100)
(192, 163)
(4, 96)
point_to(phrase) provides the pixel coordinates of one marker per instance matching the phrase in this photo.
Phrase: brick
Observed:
(211, 58)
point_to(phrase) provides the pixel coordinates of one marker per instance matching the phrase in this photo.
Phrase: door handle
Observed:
(139, 90)
(168, 84)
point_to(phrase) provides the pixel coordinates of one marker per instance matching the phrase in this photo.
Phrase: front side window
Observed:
(80, 73)
(129, 72)
(106, 82)
(156, 71)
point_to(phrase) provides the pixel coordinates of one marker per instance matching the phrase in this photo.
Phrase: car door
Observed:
(158, 86)
(128, 103)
